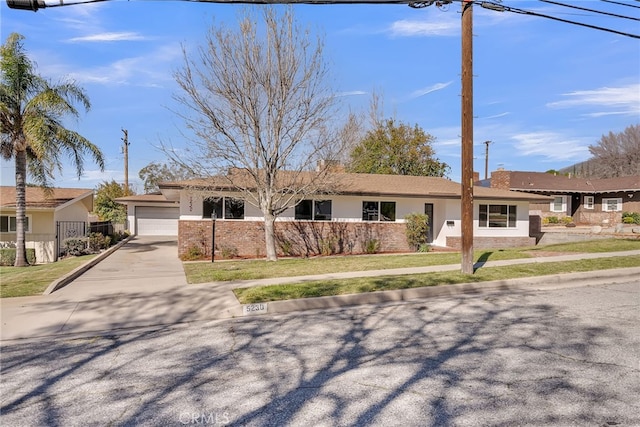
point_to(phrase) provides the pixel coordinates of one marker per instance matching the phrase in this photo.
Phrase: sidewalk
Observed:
(158, 302)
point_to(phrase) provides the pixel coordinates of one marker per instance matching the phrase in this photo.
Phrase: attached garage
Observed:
(156, 221)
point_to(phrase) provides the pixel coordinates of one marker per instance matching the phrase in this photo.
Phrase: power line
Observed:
(620, 3)
(502, 8)
(590, 10)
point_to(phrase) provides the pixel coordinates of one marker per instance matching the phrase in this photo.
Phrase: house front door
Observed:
(428, 210)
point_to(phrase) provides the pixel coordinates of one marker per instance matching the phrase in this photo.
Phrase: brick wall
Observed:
(294, 238)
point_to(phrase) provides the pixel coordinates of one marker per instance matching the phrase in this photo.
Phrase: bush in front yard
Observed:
(417, 229)
(8, 256)
(96, 242)
(75, 246)
(631, 218)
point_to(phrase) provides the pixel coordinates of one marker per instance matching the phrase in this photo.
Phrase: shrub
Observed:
(567, 220)
(286, 247)
(8, 256)
(328, 245)
(227, 252)
(631, 218)
(193, 253)
(372, 246)
(424, 247)
(553, 220)
(417, 229)
(75, 246)
(96, 242)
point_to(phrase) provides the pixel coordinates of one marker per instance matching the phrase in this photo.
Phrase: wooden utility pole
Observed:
(125, 150)
(486, 160)
(466, 201)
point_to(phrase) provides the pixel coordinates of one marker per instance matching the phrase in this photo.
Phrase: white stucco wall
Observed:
(446, 213)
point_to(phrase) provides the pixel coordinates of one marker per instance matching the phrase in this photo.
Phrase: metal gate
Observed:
(68, 229)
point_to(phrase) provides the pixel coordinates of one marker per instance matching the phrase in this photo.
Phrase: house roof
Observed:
(376, 185)
(36, 197)
(541, 181)
(153, 197)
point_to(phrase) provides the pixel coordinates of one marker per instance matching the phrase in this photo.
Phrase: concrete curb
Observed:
(74, 274)
(534, 283)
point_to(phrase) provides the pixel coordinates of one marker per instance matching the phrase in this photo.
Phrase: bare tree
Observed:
(617, 154)
(260, 111)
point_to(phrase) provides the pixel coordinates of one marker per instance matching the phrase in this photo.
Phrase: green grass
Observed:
(202, 272)
(373, 284)
(33, 280)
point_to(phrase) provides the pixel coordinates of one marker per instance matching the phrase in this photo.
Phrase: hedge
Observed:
(8, 256)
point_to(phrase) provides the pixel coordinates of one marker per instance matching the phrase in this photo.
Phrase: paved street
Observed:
(556, 357)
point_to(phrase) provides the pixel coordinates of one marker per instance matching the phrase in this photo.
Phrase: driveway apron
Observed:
(141, 284)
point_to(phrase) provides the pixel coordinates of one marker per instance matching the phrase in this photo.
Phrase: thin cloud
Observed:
(415, 28)
(625, 99)
(146, 70)
(108, 37)
(351, 93)
(427, 90)
(552, 146)
(497, 116)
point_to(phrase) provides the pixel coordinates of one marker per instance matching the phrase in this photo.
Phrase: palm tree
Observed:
(31, 113)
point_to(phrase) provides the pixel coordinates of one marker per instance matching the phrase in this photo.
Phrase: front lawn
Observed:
(202, 272)
(33, 280)
(371, 284)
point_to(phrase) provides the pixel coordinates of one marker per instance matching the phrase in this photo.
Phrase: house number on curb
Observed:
(249, 309)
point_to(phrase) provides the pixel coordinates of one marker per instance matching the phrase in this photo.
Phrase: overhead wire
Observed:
(615, 15)
(620, 3)
(499, 7)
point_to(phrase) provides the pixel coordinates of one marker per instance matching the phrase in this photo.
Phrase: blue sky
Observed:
(543, 90)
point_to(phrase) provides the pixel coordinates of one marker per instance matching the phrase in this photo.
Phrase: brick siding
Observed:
(294, 238)
(309, 238)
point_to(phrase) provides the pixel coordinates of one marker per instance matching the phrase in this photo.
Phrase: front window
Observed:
(588, 202)
(378, 211)
(319, 210)
(497, 216)
(322, 210)
(224, 208)
(559, 204)
(8, 224)
(612, 205)
(370, 211)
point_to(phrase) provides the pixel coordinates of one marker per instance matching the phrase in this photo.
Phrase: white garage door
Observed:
(152, 221)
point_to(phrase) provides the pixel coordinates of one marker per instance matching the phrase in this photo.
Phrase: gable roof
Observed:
(36, 197)
(375, 185)
(541, 181)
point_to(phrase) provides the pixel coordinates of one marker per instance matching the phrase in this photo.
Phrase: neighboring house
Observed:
(50, 218)
(361, 209)
(587, 201)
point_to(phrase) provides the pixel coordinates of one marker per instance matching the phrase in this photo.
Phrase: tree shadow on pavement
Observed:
(471, 360)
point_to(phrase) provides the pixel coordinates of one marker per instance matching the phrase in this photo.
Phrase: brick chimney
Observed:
(476, 176)
(501, 179)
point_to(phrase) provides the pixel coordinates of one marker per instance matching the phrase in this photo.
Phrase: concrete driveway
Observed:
(140, 284)
(144, 264)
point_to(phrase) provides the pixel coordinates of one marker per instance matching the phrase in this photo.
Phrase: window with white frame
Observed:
(612, 205)
(497, 216)
(378, 211)
(588, 202)
(559, 204)
(223, 207)
(8, 224)
(319, 210)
